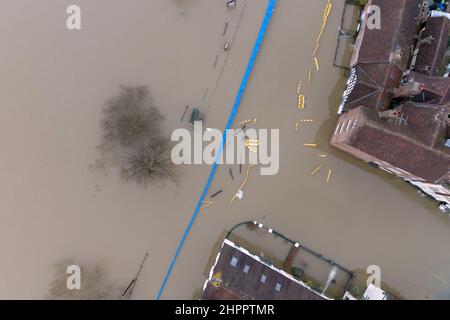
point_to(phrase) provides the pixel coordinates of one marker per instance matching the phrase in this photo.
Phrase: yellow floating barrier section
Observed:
(329, 176)
(244, 182)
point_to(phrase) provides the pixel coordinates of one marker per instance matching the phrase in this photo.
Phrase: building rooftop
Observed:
(238, 274)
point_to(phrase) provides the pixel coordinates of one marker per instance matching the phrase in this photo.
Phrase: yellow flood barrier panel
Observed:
(299, 87)
(245, 121)
(329, 176)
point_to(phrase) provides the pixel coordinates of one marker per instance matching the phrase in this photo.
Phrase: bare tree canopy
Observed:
(94, 285)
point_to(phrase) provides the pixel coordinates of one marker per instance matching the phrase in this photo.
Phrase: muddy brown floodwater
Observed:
(54, 203)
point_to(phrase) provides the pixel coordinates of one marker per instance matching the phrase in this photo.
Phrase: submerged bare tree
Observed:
(130, 118)
(94, 285)
(149, 163)
(131, 127)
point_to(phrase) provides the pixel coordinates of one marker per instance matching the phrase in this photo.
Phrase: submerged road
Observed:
(267, 17)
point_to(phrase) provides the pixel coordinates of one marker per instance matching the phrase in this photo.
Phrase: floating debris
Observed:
(297, 124)
(322, 155)
(252, 149)
(205, 94)
(316, 170)
(313, 145)
(315, 49)
(301, 97)
(254, 121)
(245, 121)
(329, 176)
(328, 10)
(309, 75)
(225, 29)
(215, 61)
(301, 101)
(326, 13)
(231, 173)
(231, 3)
(252, 144)
(184, 113)
(299, 88)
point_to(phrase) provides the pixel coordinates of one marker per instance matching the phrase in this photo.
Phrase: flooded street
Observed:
(56, 203)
